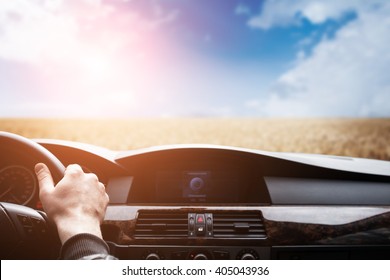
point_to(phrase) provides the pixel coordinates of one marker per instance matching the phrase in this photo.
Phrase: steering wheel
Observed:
(27, 233)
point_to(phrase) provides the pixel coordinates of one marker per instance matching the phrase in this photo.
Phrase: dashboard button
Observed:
(30, 232)
(191, 224)
(200, 218)
(200, 230)
(25, 220)
(200, 225)
(209, 224)
(39, 226)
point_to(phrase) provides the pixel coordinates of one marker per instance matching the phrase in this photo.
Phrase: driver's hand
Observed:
(77, 204)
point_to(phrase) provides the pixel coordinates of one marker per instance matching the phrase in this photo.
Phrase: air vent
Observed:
(160, 224)
(238, 225)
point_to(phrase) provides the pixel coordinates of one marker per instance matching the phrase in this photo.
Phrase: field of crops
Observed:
(368, 138)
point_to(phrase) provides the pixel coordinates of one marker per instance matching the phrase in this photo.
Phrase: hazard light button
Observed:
(200, 225)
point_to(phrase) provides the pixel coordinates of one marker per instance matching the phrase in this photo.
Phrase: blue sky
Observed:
(169, 58)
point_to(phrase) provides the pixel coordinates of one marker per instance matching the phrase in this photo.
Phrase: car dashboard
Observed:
(217, 202)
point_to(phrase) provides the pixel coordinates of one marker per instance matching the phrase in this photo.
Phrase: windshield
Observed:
(291, 76)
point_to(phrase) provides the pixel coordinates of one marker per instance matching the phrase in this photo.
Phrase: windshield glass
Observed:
(294, 76)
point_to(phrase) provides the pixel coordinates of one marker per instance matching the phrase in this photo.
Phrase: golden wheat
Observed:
(368, 138)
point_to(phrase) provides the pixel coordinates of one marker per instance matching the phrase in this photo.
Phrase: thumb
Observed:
(45, 179)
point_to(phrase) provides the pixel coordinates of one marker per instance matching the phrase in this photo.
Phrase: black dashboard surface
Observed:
(214, 202)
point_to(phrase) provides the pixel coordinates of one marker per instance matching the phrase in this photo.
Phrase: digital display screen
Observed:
(207, 186)
(196, 185)
(201, 177)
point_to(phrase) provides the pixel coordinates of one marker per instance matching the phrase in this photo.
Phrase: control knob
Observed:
(152, 256)
(248, 256)
(200, 256)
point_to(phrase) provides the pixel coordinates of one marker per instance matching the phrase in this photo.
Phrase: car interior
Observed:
(199, 202)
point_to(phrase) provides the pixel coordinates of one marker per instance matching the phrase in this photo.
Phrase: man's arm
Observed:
(77, 205)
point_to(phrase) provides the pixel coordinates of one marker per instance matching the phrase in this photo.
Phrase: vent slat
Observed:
(226, 225)
(233, 230)
(160, 225)
(257, 224)
(238, 225)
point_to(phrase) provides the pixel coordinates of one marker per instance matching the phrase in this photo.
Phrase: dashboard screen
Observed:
(198, 186)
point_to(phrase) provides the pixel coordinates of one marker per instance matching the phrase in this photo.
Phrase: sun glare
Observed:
(96, 67)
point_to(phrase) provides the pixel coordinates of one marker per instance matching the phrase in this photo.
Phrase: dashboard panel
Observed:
(204, 178)
(214, 202)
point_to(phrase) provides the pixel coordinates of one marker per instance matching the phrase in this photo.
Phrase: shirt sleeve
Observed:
(85, 246)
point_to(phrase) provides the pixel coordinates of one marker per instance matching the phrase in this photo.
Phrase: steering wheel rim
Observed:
(35, 150)
(24, 229)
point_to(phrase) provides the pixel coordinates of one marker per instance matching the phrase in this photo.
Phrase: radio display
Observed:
(198, 186)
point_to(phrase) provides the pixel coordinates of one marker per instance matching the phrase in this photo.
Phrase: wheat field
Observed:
(369, 138)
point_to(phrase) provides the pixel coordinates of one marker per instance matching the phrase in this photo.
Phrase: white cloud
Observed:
(35, 31)
(286, 12)
(344, 76)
